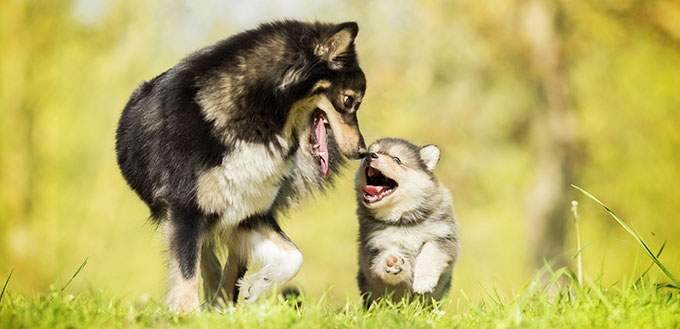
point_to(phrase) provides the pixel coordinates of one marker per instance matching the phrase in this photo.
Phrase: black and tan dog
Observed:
(235, 132)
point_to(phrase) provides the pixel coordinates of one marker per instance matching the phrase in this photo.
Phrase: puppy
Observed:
(408, 234)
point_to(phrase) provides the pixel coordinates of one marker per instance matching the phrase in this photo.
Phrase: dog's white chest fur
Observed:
(246, 182)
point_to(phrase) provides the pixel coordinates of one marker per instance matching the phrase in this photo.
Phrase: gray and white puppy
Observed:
(408, 234)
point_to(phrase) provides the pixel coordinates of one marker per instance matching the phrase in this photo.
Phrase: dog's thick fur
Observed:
(408, 234)
(234, 133)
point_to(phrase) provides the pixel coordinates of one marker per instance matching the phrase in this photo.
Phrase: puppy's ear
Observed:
(340, 41)
(430, 156)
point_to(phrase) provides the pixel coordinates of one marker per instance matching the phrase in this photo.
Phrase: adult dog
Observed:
(234, 133)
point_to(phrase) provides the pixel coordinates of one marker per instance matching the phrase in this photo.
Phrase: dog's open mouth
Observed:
(378, 186)
(319, 139)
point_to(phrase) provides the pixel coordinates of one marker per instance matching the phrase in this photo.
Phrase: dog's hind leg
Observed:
(183, 231)
(267, 245)
(211, 271)
(234, 270)
(225, 287)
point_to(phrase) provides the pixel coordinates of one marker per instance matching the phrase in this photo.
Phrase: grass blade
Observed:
(5, 286)
(650, 266)
(635, 235)
(600, 295)
(579, 263)
(74, 276)
(666, 285)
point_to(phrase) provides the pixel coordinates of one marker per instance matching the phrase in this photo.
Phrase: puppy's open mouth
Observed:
(319, 140)
(378, 186)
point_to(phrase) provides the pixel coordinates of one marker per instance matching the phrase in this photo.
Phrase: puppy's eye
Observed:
(396, 160)
(348, 101)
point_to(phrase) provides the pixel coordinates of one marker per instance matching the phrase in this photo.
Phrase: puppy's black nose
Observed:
(373, 155)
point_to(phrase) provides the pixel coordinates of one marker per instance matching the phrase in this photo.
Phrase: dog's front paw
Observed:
(252, 286)
(424, 284)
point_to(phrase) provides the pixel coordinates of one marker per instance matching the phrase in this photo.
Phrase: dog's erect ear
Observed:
(339, 42)
(430, 156)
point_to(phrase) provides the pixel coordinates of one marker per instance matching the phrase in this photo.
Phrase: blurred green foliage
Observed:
(460, 74)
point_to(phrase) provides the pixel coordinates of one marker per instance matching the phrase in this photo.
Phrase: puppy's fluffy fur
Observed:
(408, 234)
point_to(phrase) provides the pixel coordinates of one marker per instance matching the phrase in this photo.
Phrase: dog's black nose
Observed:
(373, 155)
(361, 149)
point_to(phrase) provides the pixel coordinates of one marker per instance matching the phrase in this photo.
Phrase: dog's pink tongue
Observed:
(373, 190)
(322, 140)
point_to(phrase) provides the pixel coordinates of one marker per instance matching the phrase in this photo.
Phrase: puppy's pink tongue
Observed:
(322, 140)
(373, 190)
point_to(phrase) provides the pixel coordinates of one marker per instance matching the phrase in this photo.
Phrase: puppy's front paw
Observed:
(393, 268)
(424, 284)
(252, 286)
(394, 264)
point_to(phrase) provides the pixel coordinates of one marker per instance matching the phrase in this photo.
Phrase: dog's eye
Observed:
(348, 101)
(396, 160)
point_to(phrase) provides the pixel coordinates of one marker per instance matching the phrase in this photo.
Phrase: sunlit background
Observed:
(523, 97)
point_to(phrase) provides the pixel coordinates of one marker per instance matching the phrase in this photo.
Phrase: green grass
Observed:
(535, 306)
(552, 299)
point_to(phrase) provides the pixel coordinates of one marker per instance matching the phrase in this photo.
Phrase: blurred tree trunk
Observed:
(553, 132)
